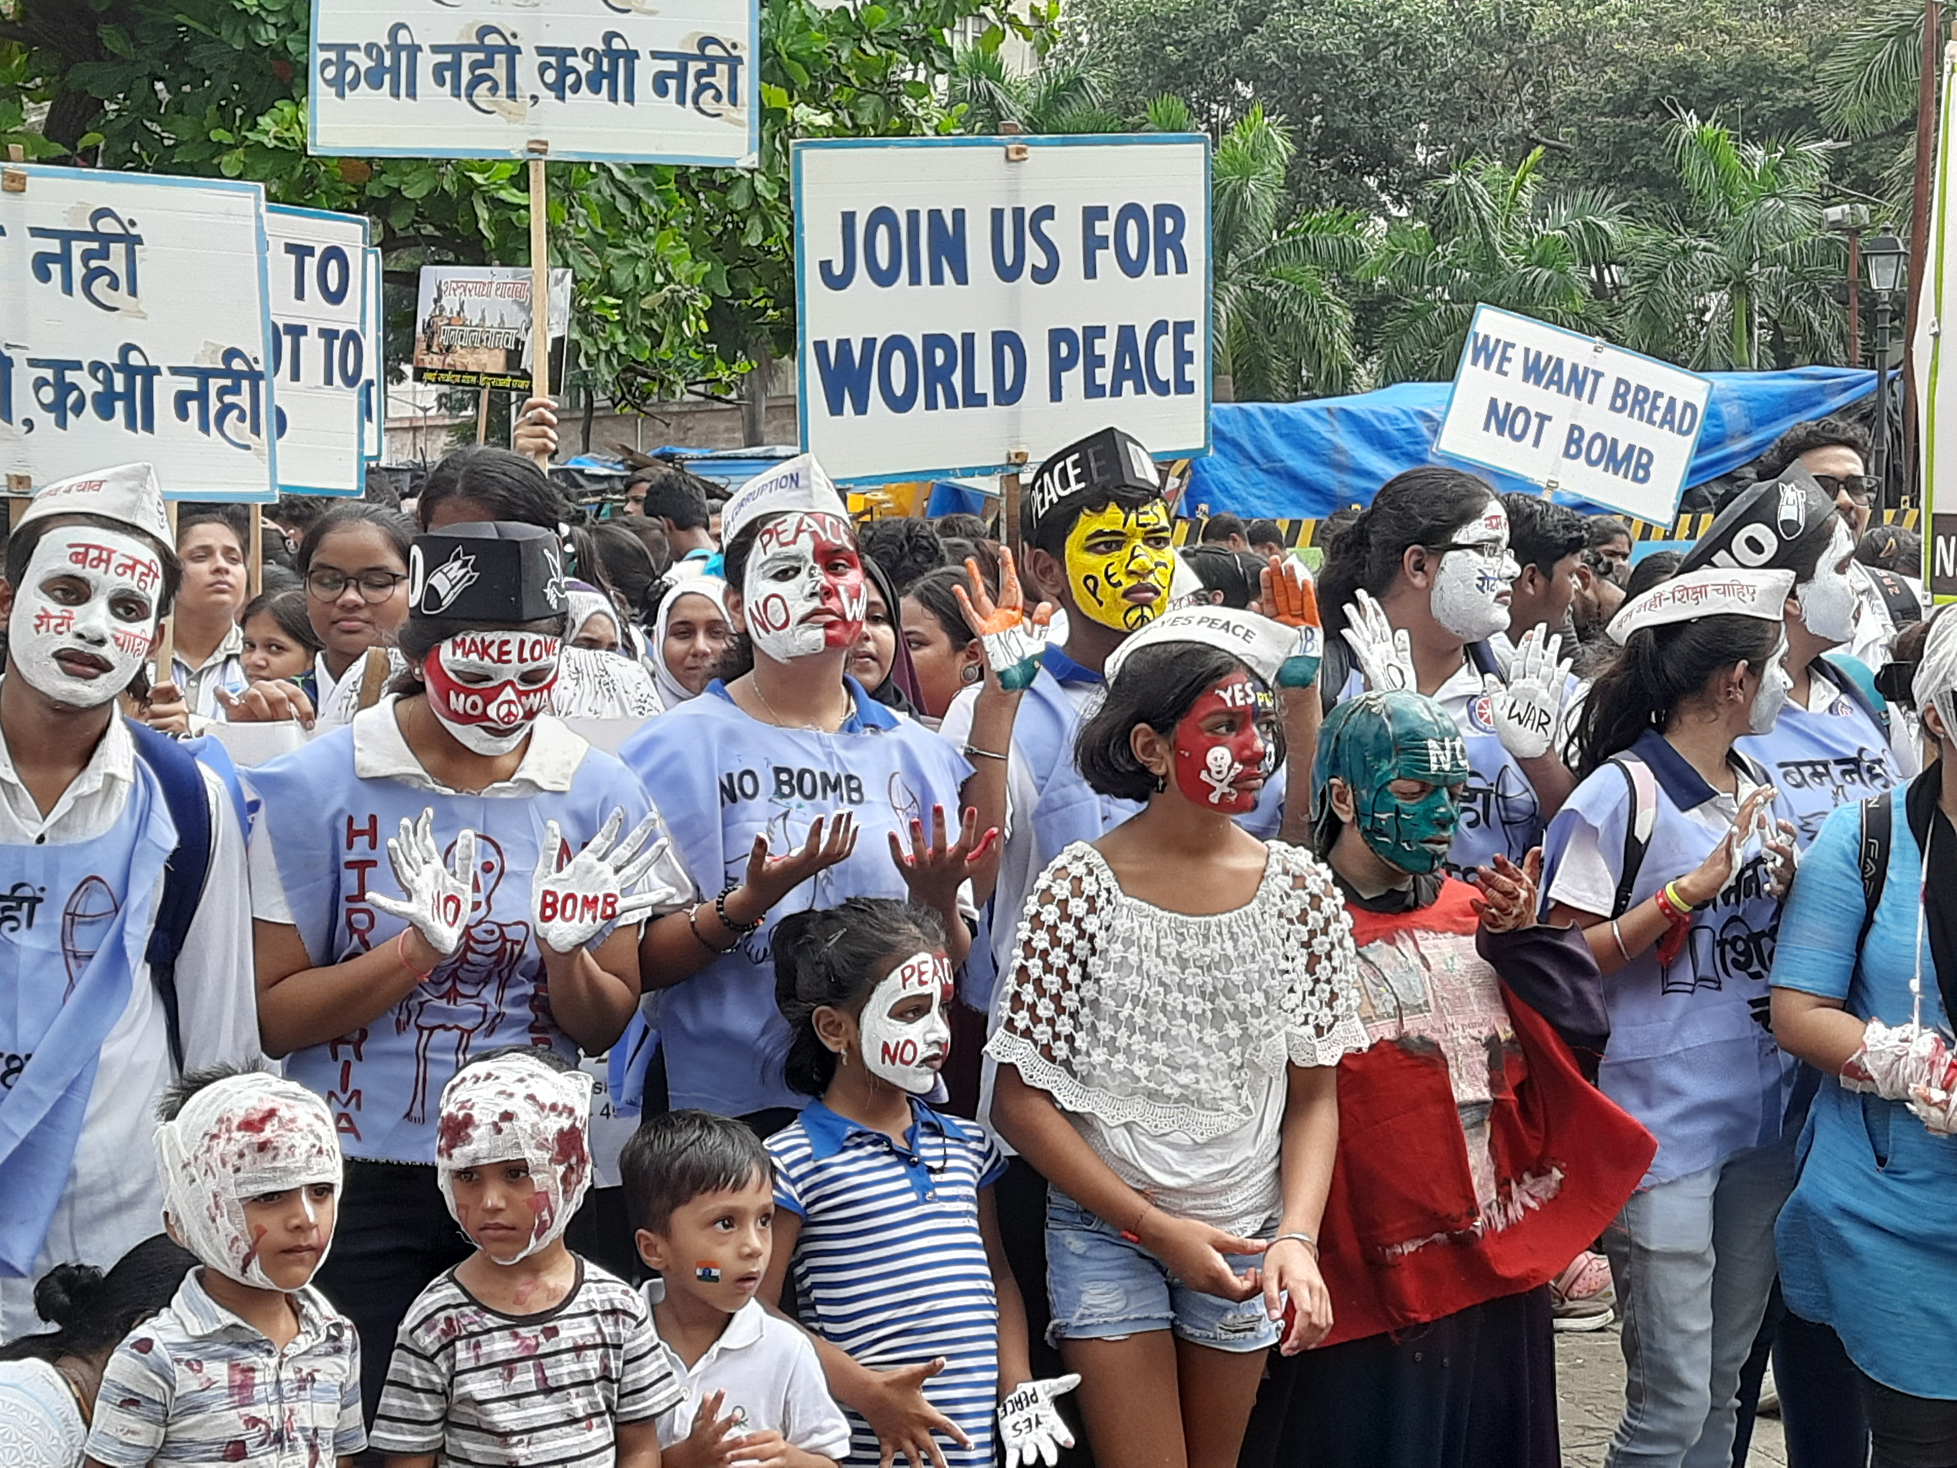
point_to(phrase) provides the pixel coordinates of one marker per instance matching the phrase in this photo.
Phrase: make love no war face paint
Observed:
(488, 688)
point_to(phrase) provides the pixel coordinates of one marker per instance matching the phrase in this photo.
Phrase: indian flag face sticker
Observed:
(707, 1272)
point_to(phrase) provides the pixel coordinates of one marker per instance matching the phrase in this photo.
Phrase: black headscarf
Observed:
(1936, 840)
(899, 689)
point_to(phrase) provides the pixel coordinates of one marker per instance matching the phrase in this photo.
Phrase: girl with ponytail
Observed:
(874, 1186)
(1668, 857)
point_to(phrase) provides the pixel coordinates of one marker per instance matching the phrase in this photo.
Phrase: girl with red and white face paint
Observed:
(454, 871)
(772, 776)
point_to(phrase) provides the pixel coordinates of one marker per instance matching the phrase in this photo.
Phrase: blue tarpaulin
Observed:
(1300, 461)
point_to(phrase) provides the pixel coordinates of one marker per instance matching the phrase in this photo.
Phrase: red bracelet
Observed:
(401, 952)
(1678, 917)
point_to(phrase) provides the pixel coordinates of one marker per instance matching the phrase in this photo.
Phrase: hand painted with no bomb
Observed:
(436, 899)
(572, 903)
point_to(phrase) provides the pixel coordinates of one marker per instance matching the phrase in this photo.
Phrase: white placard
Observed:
(134, 326)
(373, 392)
(964, 313)
(1574, 413)
(620, 80)
(318, 278)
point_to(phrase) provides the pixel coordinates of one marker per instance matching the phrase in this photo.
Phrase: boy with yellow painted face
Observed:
(1098, 542)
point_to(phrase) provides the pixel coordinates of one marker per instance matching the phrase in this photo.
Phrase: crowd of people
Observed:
(724, 984)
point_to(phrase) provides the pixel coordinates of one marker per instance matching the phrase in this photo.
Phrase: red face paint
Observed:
(802, 565)
(1219, 747)
(491, 680)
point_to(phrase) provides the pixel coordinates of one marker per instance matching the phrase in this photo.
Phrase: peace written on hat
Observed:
(1102, 461)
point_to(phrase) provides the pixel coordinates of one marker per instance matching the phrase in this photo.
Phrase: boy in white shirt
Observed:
(699, 1189)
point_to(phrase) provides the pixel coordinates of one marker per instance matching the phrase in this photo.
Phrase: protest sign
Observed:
(968, 305)
(117, 290)
(373, 392)
(473, 325)
(615, 80)
(1574, 413)
(318, 279)
(1936, 378)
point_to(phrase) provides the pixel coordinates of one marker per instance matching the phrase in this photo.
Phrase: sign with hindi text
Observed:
(472, 325)
(1574, 413)
(134, 325)
(619, 80)
(318, 278)
(969, 305)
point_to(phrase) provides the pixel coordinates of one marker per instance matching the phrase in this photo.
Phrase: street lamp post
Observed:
(1883, 257)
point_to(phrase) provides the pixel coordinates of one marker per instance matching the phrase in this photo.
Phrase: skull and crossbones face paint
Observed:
(905, 1034)
(1471, 587)
(1120, 563)
(804, 591)
(513, 1108)
(488, 688)
(238, 1139)
(1221, 749)
(84, 616)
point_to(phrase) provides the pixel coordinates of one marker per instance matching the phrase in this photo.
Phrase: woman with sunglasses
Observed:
(354, 562)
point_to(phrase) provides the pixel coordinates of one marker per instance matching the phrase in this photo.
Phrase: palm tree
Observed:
(1869, 88)
(1490, 236)
(1061, 95)
(1747, 262)
(1283, 320)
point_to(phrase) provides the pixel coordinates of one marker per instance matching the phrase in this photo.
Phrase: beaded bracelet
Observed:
(741, 930)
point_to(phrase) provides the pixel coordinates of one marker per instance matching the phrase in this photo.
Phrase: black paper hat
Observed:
(1769, 527)
(491, 571)
(1092, 466)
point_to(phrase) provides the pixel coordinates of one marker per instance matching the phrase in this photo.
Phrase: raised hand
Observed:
(437, 898)
(536, 429)
(571, 903)
(933, 871)
(1509, 893)
(1030, 1427)
(1291, 600)
(1385, 656)
(772, 878)
(1013, 642)
(1709, 878)
(1525, 710)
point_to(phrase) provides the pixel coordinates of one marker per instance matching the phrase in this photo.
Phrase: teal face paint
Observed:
(1372, 740)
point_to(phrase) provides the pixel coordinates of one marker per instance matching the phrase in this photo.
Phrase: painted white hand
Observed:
(436, 899)
(1385, 656)
(1525, 710)
(571, 903)
(1030, 1427)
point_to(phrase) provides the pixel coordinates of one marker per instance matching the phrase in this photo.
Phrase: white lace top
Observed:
(1165, 1037)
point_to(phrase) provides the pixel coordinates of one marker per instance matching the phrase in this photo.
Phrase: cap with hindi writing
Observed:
(1093, 465)
(127, 493)
(794, 484)
(493, 571)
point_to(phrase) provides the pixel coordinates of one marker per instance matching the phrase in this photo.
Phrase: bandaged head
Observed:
(87, 606)
(1935, 684)
(240, 1138)
(514, 1108)
(1375, 739)
(487, 687)
(903, 1052)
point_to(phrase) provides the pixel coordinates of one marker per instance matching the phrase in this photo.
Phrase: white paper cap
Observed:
(1713, 592)
(1259, 643)
(128, 493)
(794, 484)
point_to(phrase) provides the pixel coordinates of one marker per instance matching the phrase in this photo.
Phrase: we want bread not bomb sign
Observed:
(134, 325)
(967, 310)
(1574, 413)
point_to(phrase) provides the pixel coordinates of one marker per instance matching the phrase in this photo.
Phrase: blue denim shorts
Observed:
(1102, 1287)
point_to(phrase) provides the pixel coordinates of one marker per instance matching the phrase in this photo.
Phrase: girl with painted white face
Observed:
(1832, 744)
(1412, 592)
(1166, 1044)
(787, 786)
(864, 988)
(1665, 856)
(454, 871)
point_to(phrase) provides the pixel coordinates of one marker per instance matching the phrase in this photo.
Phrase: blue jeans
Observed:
(1693, 1261)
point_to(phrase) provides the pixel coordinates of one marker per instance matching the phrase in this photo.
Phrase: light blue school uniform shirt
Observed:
(1865, 1241)
(890, 1265)
(1824, 756)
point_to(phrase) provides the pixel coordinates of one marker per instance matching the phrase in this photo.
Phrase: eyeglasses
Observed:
(375, 586)
(1488, 550)
(1860, 487)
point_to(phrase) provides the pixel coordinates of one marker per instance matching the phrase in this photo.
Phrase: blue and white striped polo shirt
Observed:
(890, 1265)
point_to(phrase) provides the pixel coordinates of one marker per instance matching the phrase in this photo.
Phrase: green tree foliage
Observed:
(684, 277)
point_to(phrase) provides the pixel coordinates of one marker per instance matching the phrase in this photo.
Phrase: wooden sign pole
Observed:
(482, 415)
(166, 642)
(539, 283)
(1009, 512)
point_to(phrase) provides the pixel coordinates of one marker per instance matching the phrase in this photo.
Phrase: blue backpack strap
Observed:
(1852, 676)
(182, 780)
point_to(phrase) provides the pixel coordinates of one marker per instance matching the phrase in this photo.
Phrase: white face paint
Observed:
(85, 613)
(1775, 685)
(488, 688)
(900, 1051)
(1827, 599)
(804, 589)
(1470, 592)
